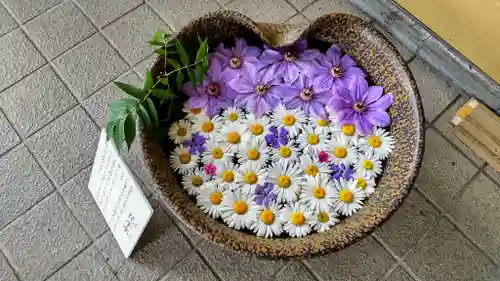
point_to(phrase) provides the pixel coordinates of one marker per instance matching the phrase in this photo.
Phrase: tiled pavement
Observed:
(57, 61)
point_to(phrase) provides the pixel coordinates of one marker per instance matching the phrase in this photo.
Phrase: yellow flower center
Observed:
(348, 130)
(232, 116)
(240, 207)
(257, 129)
(233, 138)
(253, 154)
(181, 132)
(227, 176)
(323, 217)
(196, 181)
(312, 139)
(217, 153)
(361, 183)
(340, 152)
(267, 217)
(322, 122)
(216, 198)
(297, 218)
(367, 164)
(184, 158)
(195, 111)
(207, 127)
(345, 196)
(285, 152)
(283, 181)
(288, 120)
(374, 141)
(311, 170)
(250, 177)
(318, 192)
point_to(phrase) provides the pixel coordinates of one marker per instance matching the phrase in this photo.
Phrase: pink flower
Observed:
(209, 169)
(323, 157)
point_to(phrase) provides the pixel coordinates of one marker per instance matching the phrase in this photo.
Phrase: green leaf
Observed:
(204, 64)
(160, 51)
(110, 128)
(129, 129)
(202, 51)
(143, 115)
(119, 135)
(164, 81)
(192, 76)
(200, 73)
(123, 104)
(173, 63)
(148, 81)
(179, 79)
(171, 109)
(183, 56)
(161, 93)
(153, 115)
(131, 90)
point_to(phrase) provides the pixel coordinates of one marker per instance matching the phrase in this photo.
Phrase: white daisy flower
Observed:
(347, 131)
(233, 115)
(192, 113)
(267, 222)
(216, 153)
(321, 126)
(380, 143)
(287, 153)
(341, 151)
(206, 126)
(194, 181)
(323, 221)
(292, 120)
(317, 193)
(238, 209)
(311, 167)
(210, 198)
(225, 175)
(180, 131)
(310, 141)
(250, 174)
(231, 135)
(297, 219)
(258, 127)
(183, 162)
(369, 165)
(366, 184)
(255, 150)
(287, 179)
(347, 198)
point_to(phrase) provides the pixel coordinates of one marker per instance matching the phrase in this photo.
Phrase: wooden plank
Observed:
(477, 147)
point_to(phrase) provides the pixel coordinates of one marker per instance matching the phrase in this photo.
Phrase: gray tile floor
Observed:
(57, 61)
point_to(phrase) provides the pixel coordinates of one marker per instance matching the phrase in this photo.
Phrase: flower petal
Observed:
(354, 71)
(357, 87)
(189, 90)
(239, 45)
(197, 101)
(333, 54)
(346, 61)
(242, 86)
(364, 127)
(382, 103)
(270, 56)
(250, 51)
(215, 69)
(345, 116)
(378, 118)
(318, 110)
(373, 94)
(291, 74)
(336, 103)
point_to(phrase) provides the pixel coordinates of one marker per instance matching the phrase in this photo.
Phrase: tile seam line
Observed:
(122, 15)
(37, 15)
(158, 14)
(311, 271)
(192, 250)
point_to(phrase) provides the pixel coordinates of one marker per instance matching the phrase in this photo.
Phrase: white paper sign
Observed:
(119, 197)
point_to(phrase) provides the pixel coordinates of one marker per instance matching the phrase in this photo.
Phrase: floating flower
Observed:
(347, 197)
(179, 131)
(323, 157)
(285, 153)
(210, 169)
(209, 199)
(206, 126)
(192, 113)
(304, 96)
(268, 222)
(257, 127)
(194, 181)
(254, 151)
(264, 194)
(225, 175)
(289, 61)
(292, 120)
(238, 59)
(341, 152)
(238, 209)
(311, 142)
(297, 219)
(333, 71)
(366, 184)
(287, 179)
(249, 175)
(276, 137)
(380, 143)
(312, 167)
(341, 171)
(362, 106)
(231, 135)
(317, 193)
(369, 165)
(196, 144)
(182, 161)
(214, 93)
(347, 131)
(320, 125)
(216, 153)
(323, 221)
(259, 91)
(233, 115)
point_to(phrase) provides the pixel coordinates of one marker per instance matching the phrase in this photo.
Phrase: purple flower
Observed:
(289, 61)
(333, 70)
(276, 138)
(304, 96)
(214, 93)
(238, 59)
(259, 90)
(362, 106)
(341, 171)
(264, 194)
(196, 143)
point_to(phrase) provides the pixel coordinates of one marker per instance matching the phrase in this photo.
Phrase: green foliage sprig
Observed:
(143, 104)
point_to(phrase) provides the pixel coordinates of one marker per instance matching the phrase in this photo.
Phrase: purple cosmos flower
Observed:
(333, 70)
(195, 144)
(214, 93)
(264, 194)
(341, 171)
(237, 59)
(289, 61)
(361, 105)
(259, 90)
(304, 96)
(276, 138)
